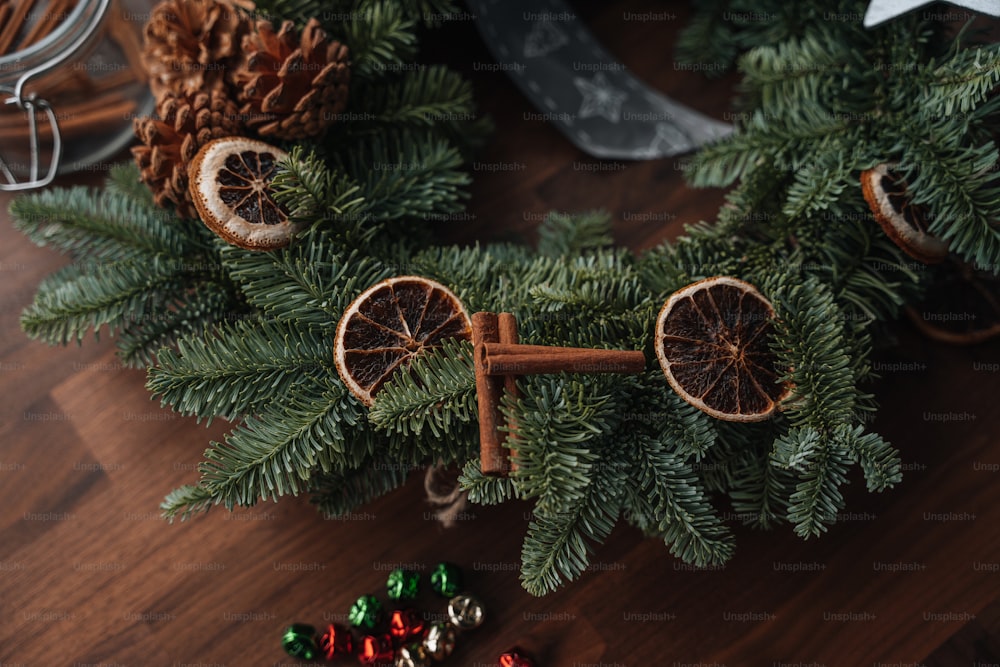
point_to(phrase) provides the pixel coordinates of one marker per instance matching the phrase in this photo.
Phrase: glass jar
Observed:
(68, 100)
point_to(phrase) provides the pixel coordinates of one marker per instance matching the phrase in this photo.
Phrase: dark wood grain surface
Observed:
(90, 575)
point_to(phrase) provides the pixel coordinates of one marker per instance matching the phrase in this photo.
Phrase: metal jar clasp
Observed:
(32, 106)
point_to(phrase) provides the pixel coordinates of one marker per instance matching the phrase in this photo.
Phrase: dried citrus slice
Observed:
(961, 305)
(712, 339)
(901, 221)
(230, 181)
(390, 323)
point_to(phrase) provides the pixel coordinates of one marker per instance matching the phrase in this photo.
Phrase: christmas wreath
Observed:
(291, 284)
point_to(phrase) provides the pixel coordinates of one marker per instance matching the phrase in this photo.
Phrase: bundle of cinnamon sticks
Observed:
(85, 97)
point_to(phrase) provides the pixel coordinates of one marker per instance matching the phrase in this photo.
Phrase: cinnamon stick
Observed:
(119, 79)
(14, 24)
(492, 456)
(73, 120)
(65, 110)
(501, 359)
(5, 11)
(54, 14)
(507, 325)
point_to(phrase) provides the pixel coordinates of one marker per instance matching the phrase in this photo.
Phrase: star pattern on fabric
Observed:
(668, 139)
(600, 98)
(544, 38)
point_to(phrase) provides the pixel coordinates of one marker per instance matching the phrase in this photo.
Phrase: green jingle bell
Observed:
(446, 579)
(299, 641)
(466, 612)
(413, 655)
(366, 612)
(402, 585)
(440, 640)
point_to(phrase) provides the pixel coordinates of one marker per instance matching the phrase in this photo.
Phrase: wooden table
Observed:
(90, 575)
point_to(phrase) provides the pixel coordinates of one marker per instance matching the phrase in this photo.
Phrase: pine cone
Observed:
(189, 43)
(291, 88)
(185, 124)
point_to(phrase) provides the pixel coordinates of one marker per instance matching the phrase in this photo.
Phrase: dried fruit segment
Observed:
(901, 221)
(713, 343)
(230, 183)
(390, 323)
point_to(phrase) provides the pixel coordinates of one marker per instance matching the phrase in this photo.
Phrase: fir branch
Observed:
(418, 98)
(562, 235)
(708, 41)
(960, 83)
(686, 431)
(788, 144)
(593, 300)
(299, 11)
(813, 70)
(123, 179)
(407, 174)
(192, 314)
(312, 193)
(720, 163)
(184, 502)
(810, 343)
(817, 186)
(276, 452)
(431, 12)
(485, 489)
(558, 545)
(114, 294)
(704, 251)
(760, 491)
(381, 38)
(879, 460)
(240, 367)
(870, 276)
(432, 99)
(437, 392)
(817, 498)
(493, 278)
(665, 498)
(558, 420)
(963, 193)
(336, 494)
(309, 283)
(106, 226)
(595, 312)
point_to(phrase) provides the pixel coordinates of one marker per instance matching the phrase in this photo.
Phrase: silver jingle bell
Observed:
(466, 612)
(440, 640)
(413, 655)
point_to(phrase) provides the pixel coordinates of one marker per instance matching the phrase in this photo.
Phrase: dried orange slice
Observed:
(389, 324)
(230, 183)
(712, 339)
(901, 221)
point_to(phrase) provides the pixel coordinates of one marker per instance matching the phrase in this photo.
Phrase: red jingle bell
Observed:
(375, 649)
(405, 624)
(336, 642)
(515, 657)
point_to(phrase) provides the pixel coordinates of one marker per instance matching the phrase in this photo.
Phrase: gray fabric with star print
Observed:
(581, 89)
(883, 10)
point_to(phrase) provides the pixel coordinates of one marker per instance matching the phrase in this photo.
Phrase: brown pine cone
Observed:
(291, 87)
(185, 124)
(189, 43)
